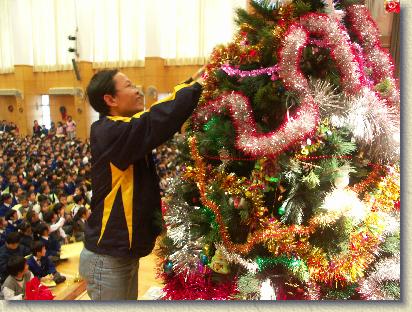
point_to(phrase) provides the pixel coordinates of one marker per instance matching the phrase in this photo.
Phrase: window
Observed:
(6, 39)
(45, 111)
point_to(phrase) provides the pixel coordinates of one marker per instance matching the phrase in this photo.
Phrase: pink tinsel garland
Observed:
(380, 62)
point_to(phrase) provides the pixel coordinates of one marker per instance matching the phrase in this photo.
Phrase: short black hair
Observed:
(77, 198)
(10, 213)
(24, 226)
(101, 84)
(57, 207)
(15, 265)
(22, 196)
(30, 215)
(42, 198)
(80, 213)
(37, 247)
(41, 228)
(48, 216)
(13, 238)
(4, 197)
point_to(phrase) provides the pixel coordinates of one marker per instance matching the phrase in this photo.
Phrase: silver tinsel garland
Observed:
(374, 124)
(232, 257)
(385, 270)
(178, 229)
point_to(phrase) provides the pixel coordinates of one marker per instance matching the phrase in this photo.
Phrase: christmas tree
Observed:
(290, 180)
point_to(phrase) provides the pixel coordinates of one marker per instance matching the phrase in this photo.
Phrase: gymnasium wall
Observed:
(33, 84)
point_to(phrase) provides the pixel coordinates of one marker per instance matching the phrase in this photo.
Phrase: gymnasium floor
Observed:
(73, 289)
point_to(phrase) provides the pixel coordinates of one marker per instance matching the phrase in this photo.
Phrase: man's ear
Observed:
(110, 100)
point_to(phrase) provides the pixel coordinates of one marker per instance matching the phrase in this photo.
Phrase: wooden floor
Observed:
(75, 289)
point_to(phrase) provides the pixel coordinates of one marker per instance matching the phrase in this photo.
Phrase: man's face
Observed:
(127, 100)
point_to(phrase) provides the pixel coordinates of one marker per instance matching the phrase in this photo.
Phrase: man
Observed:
(126, 214)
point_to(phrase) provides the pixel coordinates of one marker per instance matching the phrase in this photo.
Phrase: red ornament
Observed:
(236, 202)
(393, 6)
(252, 53)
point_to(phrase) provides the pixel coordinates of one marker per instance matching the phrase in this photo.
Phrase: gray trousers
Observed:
(109, 278)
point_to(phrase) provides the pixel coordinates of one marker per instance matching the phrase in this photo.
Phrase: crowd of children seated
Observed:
(44, 202)
(45, 197)
(166, 160)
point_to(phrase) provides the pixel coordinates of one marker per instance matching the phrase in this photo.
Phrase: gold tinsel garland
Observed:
(293, 239)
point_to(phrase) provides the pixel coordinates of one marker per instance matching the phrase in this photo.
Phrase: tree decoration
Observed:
(290, 187)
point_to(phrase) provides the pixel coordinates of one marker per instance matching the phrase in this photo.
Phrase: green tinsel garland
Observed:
(296, 266)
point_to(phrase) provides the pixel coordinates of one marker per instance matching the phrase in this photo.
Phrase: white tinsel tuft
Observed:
(385, 270)
(345, 202)
(376, 126)
(267, 292)
(326, 96)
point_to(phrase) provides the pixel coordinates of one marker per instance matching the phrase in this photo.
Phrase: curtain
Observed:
(6, 39)
(189, 29)
(118, 33)
(52, 22)
(113, 33)
(395, 42)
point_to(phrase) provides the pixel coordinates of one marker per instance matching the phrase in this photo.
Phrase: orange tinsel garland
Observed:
(282, 239)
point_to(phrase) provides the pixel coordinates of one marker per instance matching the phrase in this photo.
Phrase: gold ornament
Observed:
(219, 263)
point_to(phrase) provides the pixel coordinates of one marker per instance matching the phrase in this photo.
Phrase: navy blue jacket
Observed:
(4, 209)
(52, 246)
(46, 266)
(26, 241)
(5, 254)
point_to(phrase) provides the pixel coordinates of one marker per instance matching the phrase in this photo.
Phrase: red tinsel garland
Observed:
(197, 286)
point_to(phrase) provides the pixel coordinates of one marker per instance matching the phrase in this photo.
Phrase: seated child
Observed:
(14, 286)
(79, 223)
(52, 246)
(26, 234)
(12, 221)
(11, 248)
(3, 225)
(56, 226)
(78, 202)
(42, 266)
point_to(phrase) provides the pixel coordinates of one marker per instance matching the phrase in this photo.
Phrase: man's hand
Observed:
(199, 73)
(198, 76)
